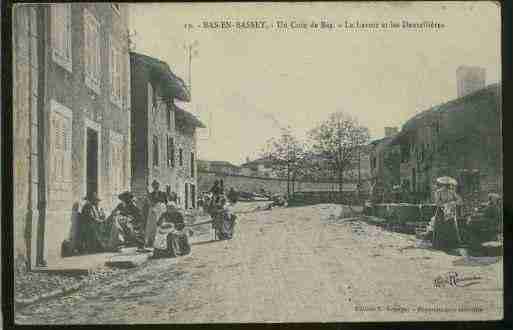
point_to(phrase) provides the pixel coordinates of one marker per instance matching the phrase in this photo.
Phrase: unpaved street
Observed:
(289, 265)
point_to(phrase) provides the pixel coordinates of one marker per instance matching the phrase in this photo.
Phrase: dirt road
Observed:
(290, 265)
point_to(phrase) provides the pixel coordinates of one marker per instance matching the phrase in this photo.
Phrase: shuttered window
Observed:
(155, 150)
(92, 56)
(170, 152)
(61, 34)
(60, 152)
(115, 70)
(116, 165)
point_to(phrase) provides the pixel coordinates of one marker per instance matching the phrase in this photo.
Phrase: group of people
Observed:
(159, 225)
(219, 205)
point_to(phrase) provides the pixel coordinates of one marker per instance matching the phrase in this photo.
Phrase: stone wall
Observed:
(256, 184)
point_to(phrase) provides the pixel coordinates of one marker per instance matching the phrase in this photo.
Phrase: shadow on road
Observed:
(205, 242)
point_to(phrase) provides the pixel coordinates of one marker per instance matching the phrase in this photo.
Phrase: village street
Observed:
(288, 265)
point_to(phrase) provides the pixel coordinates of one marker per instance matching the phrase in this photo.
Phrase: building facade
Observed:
(71, 115)
(457, 138)
(163, 134)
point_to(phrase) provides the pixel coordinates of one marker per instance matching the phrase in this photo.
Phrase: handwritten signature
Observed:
(453, 279)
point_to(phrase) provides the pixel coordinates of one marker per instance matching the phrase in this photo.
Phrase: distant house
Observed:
(262, 167)
(163, 134)
(384, 164)
(456, 138)
(221, 167)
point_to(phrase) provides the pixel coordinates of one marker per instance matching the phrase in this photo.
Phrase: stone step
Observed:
(128, 261)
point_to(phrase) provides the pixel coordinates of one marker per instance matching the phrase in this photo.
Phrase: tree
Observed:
(338, 141)
(286, 156)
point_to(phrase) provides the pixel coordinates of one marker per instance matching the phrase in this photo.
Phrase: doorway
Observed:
(193, 196)
(186, 196)
(91, 161)
(413, 180)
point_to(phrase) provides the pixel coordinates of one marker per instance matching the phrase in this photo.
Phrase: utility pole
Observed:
(190, 51)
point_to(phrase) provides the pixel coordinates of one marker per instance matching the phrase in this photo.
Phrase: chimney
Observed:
(470, 79)
(389, 131)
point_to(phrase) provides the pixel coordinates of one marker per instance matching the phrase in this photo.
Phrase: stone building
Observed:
(163, 134)
(219, 166)
(457, 138)
(470, 79)
(71, 115)
(384, 164)
(262, 167)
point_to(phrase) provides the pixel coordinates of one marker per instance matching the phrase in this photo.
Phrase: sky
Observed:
(247, 84)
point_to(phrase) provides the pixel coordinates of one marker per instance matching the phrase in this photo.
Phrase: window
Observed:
(116, 164)
(61, 35)
(60, 152)
(155, 150)
(170, 152)
(92, 58)
(168, 118)
(192, 164)
(115, 62)
(180, 157)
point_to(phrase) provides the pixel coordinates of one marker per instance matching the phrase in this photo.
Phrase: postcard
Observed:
(257, 162)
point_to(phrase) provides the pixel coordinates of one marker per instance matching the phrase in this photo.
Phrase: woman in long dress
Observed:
(224, 219)
(446, 233)
(156, 206)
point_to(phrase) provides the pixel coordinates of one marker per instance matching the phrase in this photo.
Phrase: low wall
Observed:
(323, 197)
(256, 184)
(402, 213)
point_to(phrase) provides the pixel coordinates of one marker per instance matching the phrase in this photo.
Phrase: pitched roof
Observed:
(263, 160)
(219, 163)
(447, 107)
(187, 117)
(159, 70)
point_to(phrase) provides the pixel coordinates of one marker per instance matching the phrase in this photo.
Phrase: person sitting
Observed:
(171, 239)
(94, 230)
(128, 226)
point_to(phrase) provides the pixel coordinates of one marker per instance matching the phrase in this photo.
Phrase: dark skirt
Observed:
(445, 234)
(224, 224)
(177, 245)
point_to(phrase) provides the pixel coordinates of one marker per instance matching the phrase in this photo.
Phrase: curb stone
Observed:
(21, 303)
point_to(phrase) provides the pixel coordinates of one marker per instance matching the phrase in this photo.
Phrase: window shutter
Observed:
(67, 29)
